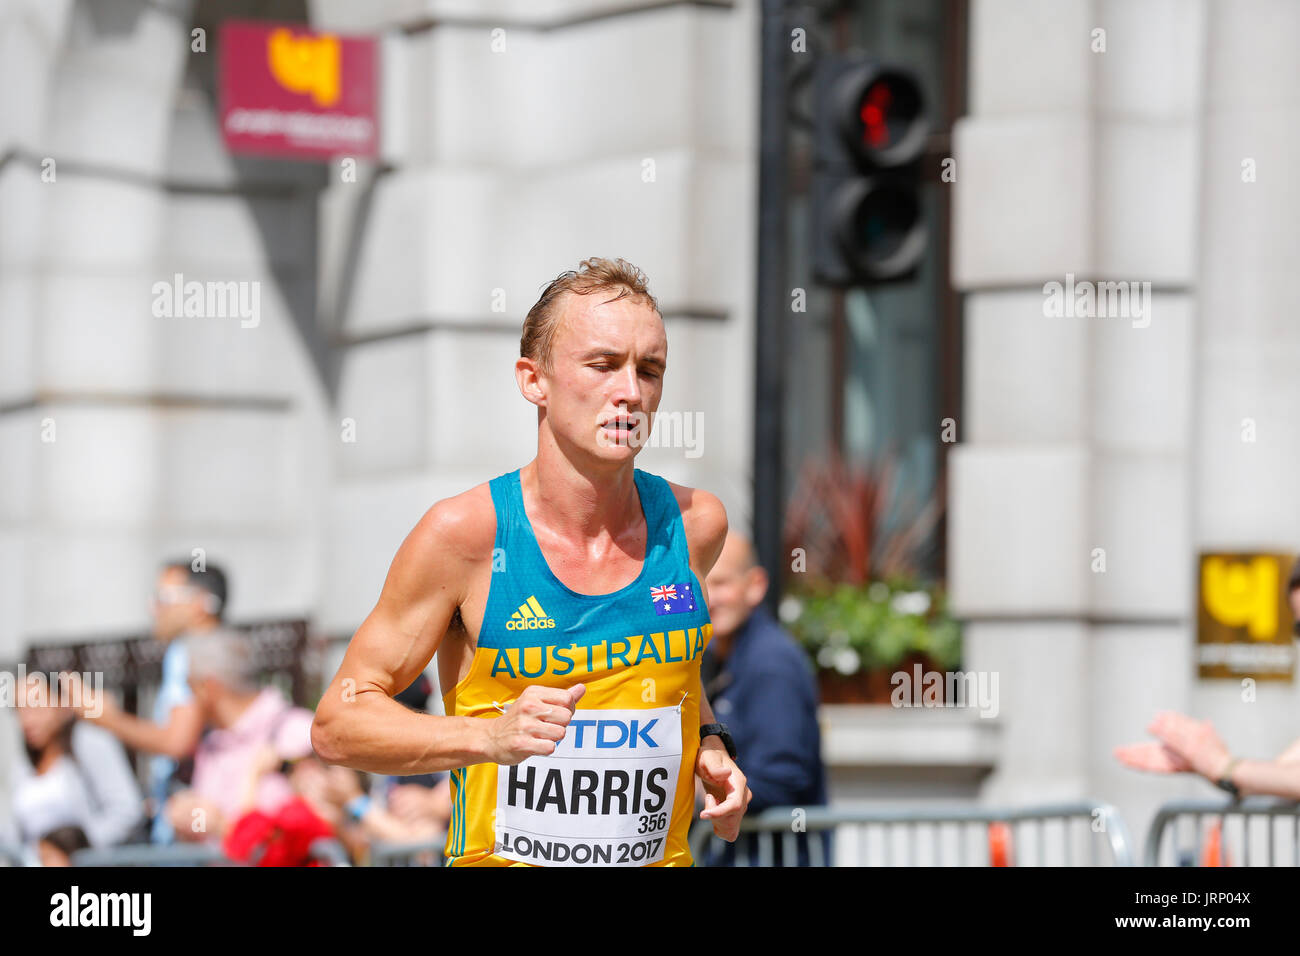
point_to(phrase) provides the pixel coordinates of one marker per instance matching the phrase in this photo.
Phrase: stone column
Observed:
(1078, 161)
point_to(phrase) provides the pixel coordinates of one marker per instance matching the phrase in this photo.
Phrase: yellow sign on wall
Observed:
(1243, 620)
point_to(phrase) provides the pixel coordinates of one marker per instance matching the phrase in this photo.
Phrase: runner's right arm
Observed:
(359, 724)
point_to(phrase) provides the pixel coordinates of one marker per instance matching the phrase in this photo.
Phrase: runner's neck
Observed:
(576, 506)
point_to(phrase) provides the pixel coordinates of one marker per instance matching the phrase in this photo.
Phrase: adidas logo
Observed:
(529, 617)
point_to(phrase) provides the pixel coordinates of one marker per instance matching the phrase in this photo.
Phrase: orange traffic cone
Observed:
(999, 844)
(1215, 853)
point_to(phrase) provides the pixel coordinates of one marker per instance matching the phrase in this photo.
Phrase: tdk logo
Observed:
(529, 617)
(612, 734)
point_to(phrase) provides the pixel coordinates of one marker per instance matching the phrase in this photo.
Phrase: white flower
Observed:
(826, 657)
(789, 609)
(910, 602)
(847, 660)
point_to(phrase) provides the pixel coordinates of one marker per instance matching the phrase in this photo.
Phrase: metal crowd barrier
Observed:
(1202, 833)
(327, 851)
(419, 853)
(145, 854)
(1067, 834)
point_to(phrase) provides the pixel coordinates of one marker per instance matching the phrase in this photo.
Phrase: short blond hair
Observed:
(592, 275)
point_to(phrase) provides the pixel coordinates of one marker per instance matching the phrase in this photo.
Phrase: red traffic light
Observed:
(868, 221)
(875, 108)
(881, 115)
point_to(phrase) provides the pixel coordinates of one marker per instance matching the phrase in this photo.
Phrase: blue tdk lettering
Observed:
(643, 731)
(615, 733)
(602, 742)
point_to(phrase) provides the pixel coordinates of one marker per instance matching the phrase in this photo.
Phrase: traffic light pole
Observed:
(772, 299)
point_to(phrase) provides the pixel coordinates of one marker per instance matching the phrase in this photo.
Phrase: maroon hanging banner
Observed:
(290, 91)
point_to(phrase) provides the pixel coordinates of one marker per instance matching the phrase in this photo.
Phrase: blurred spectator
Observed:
(57, 846)
(72, 774)
(328, 800)
(50, 791)
(759, 684)
(360, 819)
(283, 835)
(425, 808)
(281, 838)
(246, 721)
(1186, 745)
(331, 800)
(186, 604)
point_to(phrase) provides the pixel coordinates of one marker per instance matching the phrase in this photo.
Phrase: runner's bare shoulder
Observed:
(447, 545)
(462, 527)
(704, 519)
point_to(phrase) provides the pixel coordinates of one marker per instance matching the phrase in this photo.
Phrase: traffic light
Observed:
(869, 132)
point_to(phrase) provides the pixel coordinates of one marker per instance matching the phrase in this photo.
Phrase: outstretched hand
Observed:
(1185, 745)
(1152, 756)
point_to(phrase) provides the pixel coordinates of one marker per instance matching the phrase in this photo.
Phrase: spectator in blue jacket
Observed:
(760, 684)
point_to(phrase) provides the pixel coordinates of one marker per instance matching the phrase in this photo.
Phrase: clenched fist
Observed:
(533, 723)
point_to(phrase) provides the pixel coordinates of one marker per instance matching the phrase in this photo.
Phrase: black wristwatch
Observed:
(707, 730)
(1225, 782)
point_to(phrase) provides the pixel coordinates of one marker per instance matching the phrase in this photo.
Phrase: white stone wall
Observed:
(169, 433)
(1092, 433)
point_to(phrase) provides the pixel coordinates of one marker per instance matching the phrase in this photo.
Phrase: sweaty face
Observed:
(608, 363)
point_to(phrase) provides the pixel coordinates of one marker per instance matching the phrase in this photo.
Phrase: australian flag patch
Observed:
(672, 599)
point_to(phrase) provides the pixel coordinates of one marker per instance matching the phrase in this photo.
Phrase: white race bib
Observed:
(604, 798)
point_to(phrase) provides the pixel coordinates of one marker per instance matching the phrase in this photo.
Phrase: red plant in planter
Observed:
(838, 514)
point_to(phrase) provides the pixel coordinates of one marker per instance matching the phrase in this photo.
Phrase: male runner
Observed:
(566, 604)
